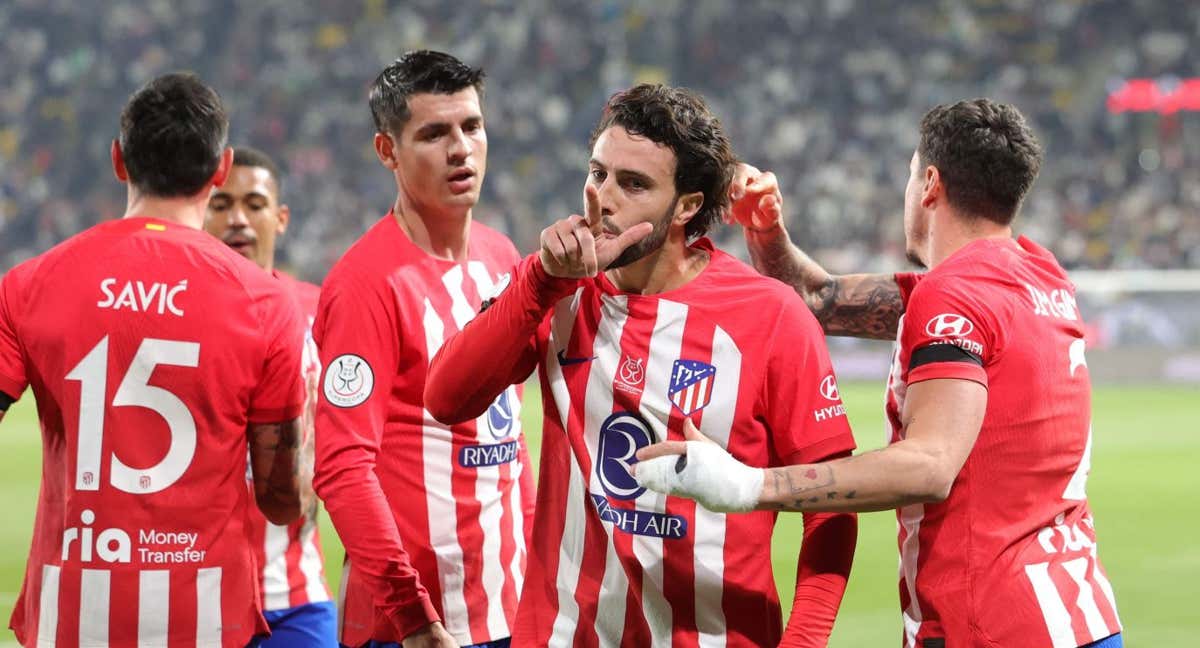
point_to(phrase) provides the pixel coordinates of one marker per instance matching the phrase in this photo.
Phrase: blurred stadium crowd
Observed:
(827, 94)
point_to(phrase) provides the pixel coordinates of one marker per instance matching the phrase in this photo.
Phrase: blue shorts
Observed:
(313, 625)
(499, 643)
(1111, 642)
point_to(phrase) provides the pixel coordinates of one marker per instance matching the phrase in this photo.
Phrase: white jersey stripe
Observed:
(910, 549)
(94, 594)
(1058, 620)
(515, 500)
(276, 589)
(487, 478)
(438, 461)
(598, 405)
(47, 631)
(1078, 570)
(310, 563)
(710, 528)
(570, 551)
(208, 607)
(154, 602)
(666, 340)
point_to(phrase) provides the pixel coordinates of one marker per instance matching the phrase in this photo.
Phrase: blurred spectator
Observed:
(827, 94)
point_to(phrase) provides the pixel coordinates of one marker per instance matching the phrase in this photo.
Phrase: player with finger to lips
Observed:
(636, 325)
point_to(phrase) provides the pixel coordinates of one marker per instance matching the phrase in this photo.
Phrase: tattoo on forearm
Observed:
(853, 305)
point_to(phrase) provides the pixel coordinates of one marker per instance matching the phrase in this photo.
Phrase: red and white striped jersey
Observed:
(393, 479)
(1009, 558)
(291, 565)
(615, 564)
(149, 347)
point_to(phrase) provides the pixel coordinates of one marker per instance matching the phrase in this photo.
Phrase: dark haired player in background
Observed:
(635, 331)
(988, 401)
(247, 215)
(147, 398)
(433, 517)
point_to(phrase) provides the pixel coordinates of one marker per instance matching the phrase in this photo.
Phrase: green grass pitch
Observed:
(1144, 490)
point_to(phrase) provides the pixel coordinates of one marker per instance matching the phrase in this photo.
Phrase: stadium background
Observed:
(826, 93)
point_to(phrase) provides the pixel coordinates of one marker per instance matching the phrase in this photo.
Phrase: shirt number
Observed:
(134, 390)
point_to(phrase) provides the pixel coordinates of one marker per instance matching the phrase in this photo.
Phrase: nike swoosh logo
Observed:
(564, 361)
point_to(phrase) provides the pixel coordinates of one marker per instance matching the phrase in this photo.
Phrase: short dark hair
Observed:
(173, 132)
(986, 154)
(417, 72)
(252, 157)
(680, 119)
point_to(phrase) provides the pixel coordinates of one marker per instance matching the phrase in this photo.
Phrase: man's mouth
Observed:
(461, 180)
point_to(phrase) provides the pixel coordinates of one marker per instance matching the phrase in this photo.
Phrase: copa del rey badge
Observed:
(348, 381)
(691, 385)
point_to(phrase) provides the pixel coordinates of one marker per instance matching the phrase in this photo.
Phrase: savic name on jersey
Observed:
(140, 296)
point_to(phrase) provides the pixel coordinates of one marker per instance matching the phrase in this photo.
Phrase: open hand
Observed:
(433, 635)
(578, 247)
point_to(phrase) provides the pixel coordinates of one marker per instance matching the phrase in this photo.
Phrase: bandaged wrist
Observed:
(707, 474)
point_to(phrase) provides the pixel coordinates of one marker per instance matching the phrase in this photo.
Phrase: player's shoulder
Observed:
(370, 260)
(492, 240)
(744, 293)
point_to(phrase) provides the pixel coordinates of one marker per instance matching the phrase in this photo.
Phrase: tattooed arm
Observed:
(856, 305)
(941, 421)
(276, 463)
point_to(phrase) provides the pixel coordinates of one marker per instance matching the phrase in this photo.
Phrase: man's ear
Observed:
(222, 173)
(284, 216)
(118, 162)
(933, 189)
(686, 207)
(385, 150)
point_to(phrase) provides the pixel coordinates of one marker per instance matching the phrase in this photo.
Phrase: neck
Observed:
(670, 266)
(442, 235)
(951, 233)
(187, 211)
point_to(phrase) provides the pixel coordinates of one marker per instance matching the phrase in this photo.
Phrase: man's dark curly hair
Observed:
(986, 154)
(681, 120)
(417, 72)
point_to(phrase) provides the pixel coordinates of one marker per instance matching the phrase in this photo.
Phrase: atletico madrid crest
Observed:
(691, 385)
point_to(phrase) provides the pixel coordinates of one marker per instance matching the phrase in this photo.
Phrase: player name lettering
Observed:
(646, 523)
(487, 455)
(139, 296)
(1055, 303)
(829, 412)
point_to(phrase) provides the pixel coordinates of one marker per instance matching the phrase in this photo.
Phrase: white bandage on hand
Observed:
(711, 476)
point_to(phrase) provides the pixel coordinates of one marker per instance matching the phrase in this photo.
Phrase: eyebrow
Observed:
(444, 125)
(624, 173)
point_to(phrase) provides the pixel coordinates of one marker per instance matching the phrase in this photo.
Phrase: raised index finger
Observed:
(591, 207)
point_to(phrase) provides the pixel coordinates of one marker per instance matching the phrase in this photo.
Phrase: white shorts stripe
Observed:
(48, 607)
(1105, 586)
(1058, 620)
(310, 564)
(94, 593)
(275, 572)
(154, 602)
(208, 607)
(1078, 570)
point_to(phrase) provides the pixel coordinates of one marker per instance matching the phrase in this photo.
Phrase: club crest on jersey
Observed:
(348, 381)
(631, 374)
(691, 385)
(500, 416)
(621, 436)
